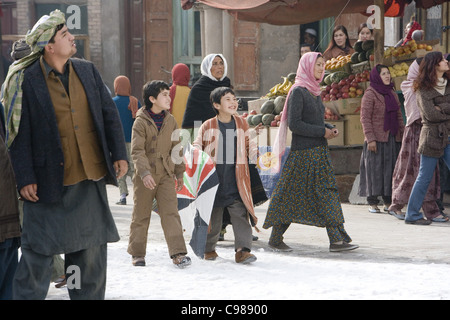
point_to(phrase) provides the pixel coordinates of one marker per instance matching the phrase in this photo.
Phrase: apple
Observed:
(345, 89)
(332, 97)
(342, 83)
(274, 123)
(328, 88)
(334, 85)
(345, 95)
(253, 112)
(245, 115)
(334, 91)
(359, 92)
(352, 94)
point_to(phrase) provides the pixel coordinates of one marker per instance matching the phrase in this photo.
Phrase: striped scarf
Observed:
(11, 95)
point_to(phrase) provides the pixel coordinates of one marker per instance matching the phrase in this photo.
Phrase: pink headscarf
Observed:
(411, 109)
(305, 78)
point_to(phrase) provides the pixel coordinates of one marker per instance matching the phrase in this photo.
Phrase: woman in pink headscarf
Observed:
(306, 192)
(408, 161)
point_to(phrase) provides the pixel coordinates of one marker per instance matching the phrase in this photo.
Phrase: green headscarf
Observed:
(37, 38)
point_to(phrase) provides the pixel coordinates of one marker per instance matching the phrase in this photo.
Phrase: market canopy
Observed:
(290, 12)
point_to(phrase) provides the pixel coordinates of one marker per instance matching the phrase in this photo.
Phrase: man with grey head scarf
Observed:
(66, 143)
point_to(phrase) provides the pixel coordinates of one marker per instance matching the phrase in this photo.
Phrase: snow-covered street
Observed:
(394, 261)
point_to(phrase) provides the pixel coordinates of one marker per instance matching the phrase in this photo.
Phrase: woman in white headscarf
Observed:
(214, 75)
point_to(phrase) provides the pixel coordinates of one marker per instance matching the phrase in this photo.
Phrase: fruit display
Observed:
(347, 87)
(337, 63)
(363, 51)
(399, 69)
(407, 49)
(271, 112)
(282, 89)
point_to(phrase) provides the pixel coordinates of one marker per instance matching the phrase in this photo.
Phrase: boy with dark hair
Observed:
(226, 139)
(155, 174)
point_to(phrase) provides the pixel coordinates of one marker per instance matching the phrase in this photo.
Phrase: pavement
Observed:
(380, 236)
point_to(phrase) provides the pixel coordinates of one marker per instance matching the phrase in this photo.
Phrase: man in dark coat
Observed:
(9, 223)
(68, 146)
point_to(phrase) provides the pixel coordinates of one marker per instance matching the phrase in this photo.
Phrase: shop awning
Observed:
(290, 12)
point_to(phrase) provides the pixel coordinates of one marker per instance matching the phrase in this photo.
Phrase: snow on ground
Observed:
(309, 272)
(272, 276)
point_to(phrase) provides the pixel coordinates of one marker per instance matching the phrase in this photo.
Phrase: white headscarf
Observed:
(207, 65)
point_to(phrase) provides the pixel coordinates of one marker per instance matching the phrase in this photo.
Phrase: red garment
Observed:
(415, 26)
(181, 75)
(122, 87)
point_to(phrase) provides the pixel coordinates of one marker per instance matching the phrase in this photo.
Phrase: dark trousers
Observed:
(8, 265)
(86, 277)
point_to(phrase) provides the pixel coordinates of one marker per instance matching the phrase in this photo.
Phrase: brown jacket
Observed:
(9, 206)
(207, 140)
(155, 152)
(372, 117)
(436, 124)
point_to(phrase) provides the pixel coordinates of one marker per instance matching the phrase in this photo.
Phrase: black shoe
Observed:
(281, 247)
(420, 222)
(122, 201)
(334, 247)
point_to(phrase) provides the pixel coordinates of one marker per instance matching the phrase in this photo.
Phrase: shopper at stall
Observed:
(409, 30)
(310, 37)
(408, 161)
(383, 127)
(364, 33)
(433, 100)
(306, 192)
(339, 44)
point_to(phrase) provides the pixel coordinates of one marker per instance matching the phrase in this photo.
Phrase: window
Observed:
(187, 39)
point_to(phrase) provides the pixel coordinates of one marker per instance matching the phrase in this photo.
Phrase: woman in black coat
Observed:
(199, 108)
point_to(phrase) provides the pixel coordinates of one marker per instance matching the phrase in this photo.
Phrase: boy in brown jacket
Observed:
(155, 174)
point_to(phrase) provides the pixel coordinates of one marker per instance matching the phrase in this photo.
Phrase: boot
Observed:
(244, 257)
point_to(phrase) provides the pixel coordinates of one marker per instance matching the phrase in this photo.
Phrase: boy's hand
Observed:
(148, 182)
(180, 183)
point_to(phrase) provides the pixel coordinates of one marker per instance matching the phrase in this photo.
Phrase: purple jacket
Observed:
(372, 117)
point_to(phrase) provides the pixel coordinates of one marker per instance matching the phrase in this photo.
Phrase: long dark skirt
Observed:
(376, 169)
(306, 192)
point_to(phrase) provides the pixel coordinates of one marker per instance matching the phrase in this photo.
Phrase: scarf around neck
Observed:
(305, 78)
(11, 95)
(391, 105)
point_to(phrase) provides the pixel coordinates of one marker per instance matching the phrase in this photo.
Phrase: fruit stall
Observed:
(346, 78)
